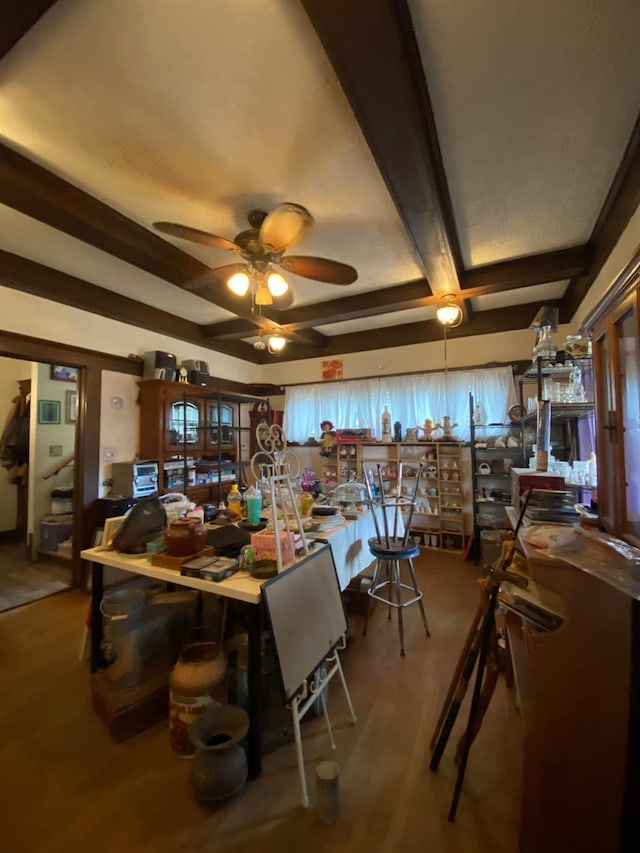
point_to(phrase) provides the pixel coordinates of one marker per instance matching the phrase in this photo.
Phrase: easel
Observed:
(308, 625)
(301, 703)
(481, 646)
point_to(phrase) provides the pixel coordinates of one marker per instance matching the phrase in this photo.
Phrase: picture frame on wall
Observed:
(71, 407)
(48, 411)
(62, 373)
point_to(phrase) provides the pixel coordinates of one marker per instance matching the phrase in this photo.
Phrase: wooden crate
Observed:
(125, 711)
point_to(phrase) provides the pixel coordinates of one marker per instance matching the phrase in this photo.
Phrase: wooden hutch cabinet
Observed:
(196, 435)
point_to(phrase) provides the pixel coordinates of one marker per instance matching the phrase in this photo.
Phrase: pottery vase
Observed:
(219, 768)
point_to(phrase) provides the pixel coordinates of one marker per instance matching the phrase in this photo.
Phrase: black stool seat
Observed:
(396, 550)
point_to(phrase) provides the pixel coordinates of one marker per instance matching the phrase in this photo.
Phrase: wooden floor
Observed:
(65, 786)
(23, 581)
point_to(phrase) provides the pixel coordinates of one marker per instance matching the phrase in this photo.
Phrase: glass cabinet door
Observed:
(628, 354)
(616, 352)
(219, 425)
(184, 425)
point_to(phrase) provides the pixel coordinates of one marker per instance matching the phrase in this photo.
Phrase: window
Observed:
(410, 399)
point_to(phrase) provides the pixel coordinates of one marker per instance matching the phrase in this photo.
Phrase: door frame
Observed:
(86, 474)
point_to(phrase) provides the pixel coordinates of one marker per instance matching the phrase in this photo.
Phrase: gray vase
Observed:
(219, 768)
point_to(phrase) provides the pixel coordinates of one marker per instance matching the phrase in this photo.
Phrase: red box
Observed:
(353, 436)
(523, 479)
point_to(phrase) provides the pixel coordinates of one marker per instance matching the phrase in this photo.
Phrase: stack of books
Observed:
(551, 506)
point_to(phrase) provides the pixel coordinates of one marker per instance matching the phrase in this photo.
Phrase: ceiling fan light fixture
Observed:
(449, 313)
(277, 284)
(276, 343)
(238, 283)
(259, 343)
(263, 295)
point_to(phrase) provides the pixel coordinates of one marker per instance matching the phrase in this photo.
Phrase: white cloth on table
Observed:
(350, 544)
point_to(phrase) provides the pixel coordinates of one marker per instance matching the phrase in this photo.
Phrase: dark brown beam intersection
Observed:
(374, 53)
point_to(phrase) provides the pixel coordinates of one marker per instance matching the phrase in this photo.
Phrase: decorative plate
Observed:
(516, 413)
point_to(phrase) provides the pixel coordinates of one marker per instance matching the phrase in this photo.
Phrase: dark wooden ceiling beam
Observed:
(621, 203)
(18, 16)
(517, 317)
(30, 277)
(413, 294)
(373, 50)
(528, 271)
(32, 190)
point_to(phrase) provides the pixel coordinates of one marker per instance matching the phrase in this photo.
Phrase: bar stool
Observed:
(391, 547)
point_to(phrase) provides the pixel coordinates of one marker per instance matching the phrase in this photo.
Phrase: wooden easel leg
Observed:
(460, 687)
(487, 628)
(488, 687)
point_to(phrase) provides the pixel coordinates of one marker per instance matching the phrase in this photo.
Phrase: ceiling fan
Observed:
(263, 246)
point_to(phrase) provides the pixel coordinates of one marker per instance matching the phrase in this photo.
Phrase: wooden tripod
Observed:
(481, 647)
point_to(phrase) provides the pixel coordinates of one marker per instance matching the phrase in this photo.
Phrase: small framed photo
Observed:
(71, 407)
(64, 374)
(111, 527)
(48, 411)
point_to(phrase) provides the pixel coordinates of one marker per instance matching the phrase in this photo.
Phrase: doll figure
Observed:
(447, 427)
(428, 428)
(327, 439)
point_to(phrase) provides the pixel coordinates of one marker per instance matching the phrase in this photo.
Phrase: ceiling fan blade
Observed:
(285, 225)
(283, 301)
(321, 269)
(196, 236)
(214, 277)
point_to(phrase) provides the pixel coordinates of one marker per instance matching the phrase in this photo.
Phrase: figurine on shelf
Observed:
(447, 429)
(385, 419)
(327, 439)
(428, 428)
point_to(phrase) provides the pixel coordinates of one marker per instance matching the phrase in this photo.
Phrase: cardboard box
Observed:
(523, 479)
(52, 533)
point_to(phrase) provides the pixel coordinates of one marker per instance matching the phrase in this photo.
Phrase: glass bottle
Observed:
(545, 346)
(234, 499)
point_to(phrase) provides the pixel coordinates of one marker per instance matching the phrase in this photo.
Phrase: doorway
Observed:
(38, 407)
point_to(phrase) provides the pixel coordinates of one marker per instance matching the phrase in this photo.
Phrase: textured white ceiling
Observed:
(534, 105)
(198, 111)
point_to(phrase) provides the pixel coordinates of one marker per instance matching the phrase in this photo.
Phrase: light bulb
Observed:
(448, 313)
(259, 343)
(277, 284)
(238, 283)
(276, 343)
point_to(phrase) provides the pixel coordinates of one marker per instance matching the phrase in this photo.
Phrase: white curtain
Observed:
(410, 399)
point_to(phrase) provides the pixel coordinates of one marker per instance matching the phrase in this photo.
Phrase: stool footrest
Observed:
(372, 592)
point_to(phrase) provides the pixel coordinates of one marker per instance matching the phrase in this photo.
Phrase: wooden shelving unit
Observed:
(438, 517)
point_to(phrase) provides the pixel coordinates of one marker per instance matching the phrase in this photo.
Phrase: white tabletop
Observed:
(349, 546)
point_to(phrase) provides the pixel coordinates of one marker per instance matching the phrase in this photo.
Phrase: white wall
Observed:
(119, 423)
(11, 371)
(29, 315)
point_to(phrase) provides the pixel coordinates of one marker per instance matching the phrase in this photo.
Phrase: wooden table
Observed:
(349, 545)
